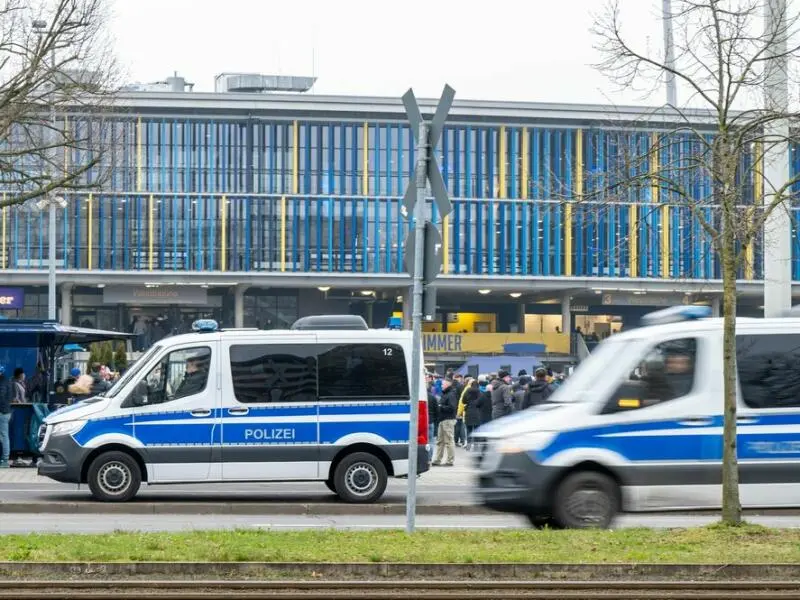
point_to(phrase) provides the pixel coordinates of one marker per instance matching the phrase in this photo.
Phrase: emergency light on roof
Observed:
(205, 326)
(676, 314)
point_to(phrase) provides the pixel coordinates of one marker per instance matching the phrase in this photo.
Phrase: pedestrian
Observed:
(502, 396)
(485, 401)
(5, 419)
(539, 390)
(18, 386)
(472, 412)
(445, 442)
(461, 428)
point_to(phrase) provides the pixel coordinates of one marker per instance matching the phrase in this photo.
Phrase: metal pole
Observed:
(669, 52)
(420, 210)
(777, 228)
(51, 239)
(51, 259)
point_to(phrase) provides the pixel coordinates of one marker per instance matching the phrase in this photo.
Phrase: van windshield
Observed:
(590, 371)
(132, 372)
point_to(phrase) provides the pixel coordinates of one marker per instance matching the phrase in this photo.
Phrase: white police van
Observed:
(328, 400)
(638, 427)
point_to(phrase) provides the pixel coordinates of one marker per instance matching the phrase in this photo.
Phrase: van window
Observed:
(264, 373)
(769, 370)
(363, 371)
(179, 374)
(665, 373)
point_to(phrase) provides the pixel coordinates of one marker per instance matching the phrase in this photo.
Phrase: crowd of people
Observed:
(457, 406)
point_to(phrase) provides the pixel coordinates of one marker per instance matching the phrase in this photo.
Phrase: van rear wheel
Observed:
(114, 477)
(586, 500)
(360, 478)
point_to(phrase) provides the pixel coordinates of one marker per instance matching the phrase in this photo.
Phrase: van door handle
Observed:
(696, 421)
(201, 412)
(746, 420)
(238, 411)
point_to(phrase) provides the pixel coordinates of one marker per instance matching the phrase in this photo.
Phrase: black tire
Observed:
(586, 500)
(360, 478)
(330, 486)
(114, 477)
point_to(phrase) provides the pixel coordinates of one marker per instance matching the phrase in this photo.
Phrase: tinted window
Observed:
(362, 371)
(666, 372)
(269, 373)
(769, 370)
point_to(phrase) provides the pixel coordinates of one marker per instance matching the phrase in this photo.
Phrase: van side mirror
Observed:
(628, 396)
(140, 394)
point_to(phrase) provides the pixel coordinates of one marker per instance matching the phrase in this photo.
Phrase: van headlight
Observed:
(526, 442)
(67, 428)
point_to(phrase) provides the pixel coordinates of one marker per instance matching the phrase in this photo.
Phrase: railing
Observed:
(356, 234)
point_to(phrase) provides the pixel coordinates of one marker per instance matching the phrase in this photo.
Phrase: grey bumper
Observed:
(62, 459)
(518, 485)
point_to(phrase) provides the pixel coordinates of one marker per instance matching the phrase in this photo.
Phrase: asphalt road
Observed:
(101, 523)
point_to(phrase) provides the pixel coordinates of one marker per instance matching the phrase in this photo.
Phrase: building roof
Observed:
(373, 108)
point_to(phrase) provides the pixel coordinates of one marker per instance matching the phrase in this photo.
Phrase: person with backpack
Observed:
(539, 390)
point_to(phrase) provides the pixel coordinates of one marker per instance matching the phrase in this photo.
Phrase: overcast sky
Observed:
(528, 50)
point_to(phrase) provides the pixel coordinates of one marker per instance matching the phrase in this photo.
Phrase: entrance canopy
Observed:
(30, 333)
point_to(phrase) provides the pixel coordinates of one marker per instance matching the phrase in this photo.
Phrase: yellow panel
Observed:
(525, 163)
(490, 343)
(151, 230)
(665, 227)
(365, 162)
(446, 244)
(89, 209)
(296, 159)
(139, 155)
(568, 239)
(223, 256)
(654, 186)
(466, 321)
(283, 233)
(502, 158)
(578, 192)
(633, 239)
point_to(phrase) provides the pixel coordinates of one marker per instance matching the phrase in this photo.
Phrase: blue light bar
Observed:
(677, 314)
(395, 323)
(205, 326)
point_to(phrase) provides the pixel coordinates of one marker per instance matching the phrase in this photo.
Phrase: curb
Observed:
(366, 571)
(234, 508)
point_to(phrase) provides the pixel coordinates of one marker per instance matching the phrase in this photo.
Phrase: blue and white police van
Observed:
(328, 400)
(638, 427)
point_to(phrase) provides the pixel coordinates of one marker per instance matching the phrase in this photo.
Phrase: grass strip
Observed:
(713, 544)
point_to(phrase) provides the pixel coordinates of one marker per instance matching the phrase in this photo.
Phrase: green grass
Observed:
(715, 544)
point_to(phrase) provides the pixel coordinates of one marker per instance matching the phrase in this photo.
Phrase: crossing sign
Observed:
(435, 129)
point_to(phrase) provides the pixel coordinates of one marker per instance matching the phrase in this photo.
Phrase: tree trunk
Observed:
(731, 505)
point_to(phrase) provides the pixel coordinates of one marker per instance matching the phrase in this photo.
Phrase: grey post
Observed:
(420, 217)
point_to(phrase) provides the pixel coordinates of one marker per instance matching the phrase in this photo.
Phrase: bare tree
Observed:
(57, 73)
(725, 51)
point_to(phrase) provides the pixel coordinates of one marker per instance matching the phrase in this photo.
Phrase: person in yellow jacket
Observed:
(460, 427)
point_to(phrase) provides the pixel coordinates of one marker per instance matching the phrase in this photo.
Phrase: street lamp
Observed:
(51, 201)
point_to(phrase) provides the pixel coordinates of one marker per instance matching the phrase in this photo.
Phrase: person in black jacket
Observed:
(485, 402)
(538, 391)
(472, 412)
(5, 418)
(445, 440)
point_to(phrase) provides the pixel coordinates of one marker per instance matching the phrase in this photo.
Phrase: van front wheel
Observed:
(114, 477)
(586, 500)
(360, 478)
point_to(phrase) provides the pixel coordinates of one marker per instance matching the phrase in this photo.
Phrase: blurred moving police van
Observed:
(638, 427)
(328, 400)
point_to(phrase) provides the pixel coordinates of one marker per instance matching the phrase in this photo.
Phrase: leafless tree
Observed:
(726, 50)
(57, 73)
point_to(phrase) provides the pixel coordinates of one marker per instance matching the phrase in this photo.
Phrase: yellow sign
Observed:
(495, 343)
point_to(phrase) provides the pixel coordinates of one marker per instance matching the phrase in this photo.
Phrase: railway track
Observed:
(392, 590)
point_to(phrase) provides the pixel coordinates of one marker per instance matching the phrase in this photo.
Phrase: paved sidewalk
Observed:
(460, 474)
